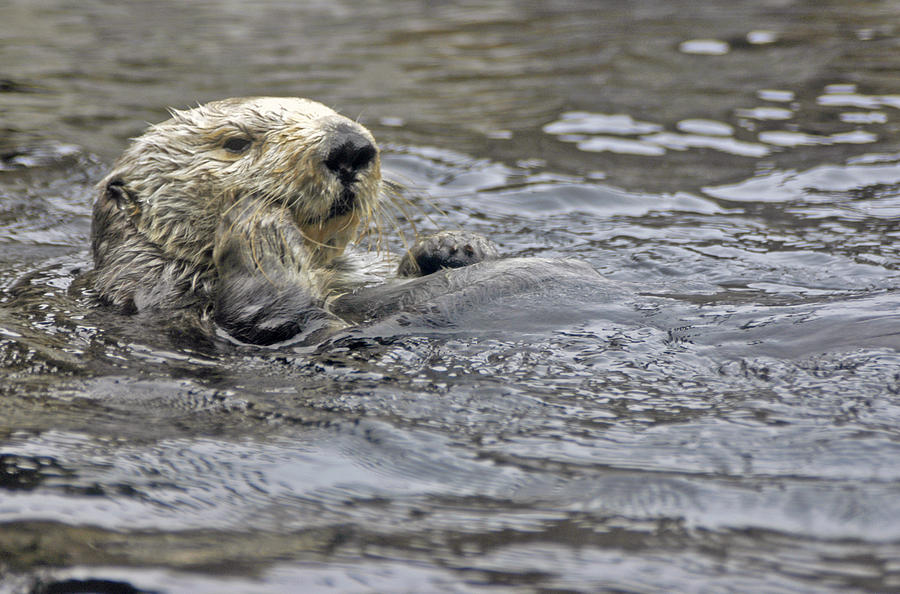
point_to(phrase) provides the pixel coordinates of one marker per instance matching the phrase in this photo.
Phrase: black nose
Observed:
(348, 153)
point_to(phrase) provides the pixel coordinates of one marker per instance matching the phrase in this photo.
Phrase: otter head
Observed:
(177, 181)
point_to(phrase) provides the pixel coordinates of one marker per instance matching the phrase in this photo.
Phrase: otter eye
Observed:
(236, 144)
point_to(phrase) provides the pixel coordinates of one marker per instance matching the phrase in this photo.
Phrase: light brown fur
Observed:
(178, 197)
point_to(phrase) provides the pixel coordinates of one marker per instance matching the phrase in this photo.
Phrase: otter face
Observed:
(243, 157)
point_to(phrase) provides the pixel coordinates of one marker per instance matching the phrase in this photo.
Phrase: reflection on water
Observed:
(722, 414)
(590, 132)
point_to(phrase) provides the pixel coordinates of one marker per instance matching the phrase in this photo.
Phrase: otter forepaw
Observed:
(447, 249)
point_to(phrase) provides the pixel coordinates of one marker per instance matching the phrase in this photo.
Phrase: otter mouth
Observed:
(343, 205)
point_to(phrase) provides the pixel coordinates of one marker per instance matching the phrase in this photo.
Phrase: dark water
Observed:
(725, 418)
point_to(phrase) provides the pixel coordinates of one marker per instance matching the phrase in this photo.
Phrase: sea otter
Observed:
(241, 209)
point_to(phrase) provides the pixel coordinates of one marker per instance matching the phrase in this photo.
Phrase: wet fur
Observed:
(249, 240)
(238, 213)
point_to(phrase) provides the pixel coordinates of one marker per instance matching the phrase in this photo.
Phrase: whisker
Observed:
(399, 200)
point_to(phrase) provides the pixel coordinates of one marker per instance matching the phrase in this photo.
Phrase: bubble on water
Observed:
(765, 113)
(681, 142)
(705, 127)
(580, 122)
(854, 137)
(864, 117)
(840, 88)
(762, 37)
(706, 47)
(600, 144)
(791, 139)
(845, 95)
(776, 95)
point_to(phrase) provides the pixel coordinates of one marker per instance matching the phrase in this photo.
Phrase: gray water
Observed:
(726, 418)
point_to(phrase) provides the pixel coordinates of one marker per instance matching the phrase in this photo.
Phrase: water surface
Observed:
(724, 418)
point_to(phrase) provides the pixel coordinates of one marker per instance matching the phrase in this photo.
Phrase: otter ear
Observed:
(116, 191)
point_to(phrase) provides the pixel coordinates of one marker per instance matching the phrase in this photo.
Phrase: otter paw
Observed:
(447, 249)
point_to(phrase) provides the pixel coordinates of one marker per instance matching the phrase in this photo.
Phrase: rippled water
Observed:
(722, 417)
